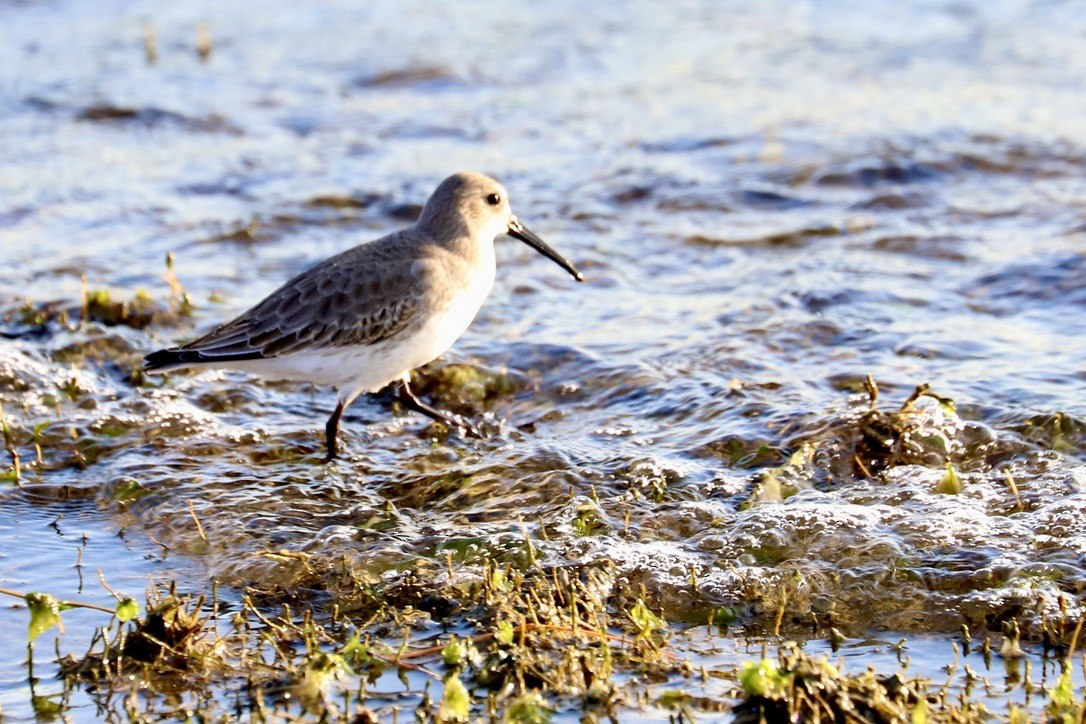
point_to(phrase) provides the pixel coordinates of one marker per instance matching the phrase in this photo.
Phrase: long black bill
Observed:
(519, 231)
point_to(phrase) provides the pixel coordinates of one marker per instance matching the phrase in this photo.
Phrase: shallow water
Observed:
(67, 549)
(769, 201)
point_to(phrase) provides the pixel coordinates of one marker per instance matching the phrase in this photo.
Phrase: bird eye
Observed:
(493, 199)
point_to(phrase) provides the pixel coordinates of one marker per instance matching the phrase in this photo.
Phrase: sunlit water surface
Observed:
(769, 201)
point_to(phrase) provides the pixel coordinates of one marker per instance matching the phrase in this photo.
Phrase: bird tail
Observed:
(165, 360)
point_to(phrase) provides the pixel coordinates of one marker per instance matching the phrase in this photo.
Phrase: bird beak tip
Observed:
(518, 231)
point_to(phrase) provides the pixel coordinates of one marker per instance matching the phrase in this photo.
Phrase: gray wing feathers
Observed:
(362, 296)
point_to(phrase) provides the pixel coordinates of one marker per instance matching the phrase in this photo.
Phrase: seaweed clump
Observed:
(465, 389)
(799, 687)
(888, 439)
(176, 636)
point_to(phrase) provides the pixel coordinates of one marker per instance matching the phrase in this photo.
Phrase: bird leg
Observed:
(331, 431)
(408, 399)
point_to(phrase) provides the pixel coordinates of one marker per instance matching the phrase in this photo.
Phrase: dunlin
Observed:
(365, 318)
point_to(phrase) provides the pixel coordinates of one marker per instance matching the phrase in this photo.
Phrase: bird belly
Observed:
(364, 367)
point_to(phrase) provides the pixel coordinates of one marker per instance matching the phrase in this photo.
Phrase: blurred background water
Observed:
(770, 201)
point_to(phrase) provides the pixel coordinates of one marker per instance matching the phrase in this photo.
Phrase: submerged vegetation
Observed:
(524, 647)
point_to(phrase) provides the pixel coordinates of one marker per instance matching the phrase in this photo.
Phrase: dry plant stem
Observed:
(859, 461)
(13, 450)
(1014, 489)
(398, 662)
(780, 615)
(84, 312)
(527, 541)
(1074, 637)
(150, 44)
(199, 527)
(109, 589)
(203, 41)
(480, 638)
(919, 392)
(872, 391)
(66, 604)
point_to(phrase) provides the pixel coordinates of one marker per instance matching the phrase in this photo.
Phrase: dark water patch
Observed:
(632, 194)
(344, 201)
(233, 185)
(770, 200)
(878, 173)
(786, 239)
(24, 331)
(420, 78)
(895, 201)
(1020, 285)
(689, 200)
(996, 156)
(421, 131)
(241, 398)
(292, 222)
(946, 248)
(688, 144)
(745, 453)
(937, 160)
(12, 217)
(817, 302)
(629, 186)
(954, 348)
(301, 123)
(797, 336)
(243, 234)
(41, 104)
(599, 217)
(151, 117)
(112, 113)
(556, 363)
(1058, 432)
(403, 212)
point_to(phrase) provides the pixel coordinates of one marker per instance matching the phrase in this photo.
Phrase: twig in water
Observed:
(203, 41)
(109, 589)
(150, 43)
(62, 604)
(199, 528)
